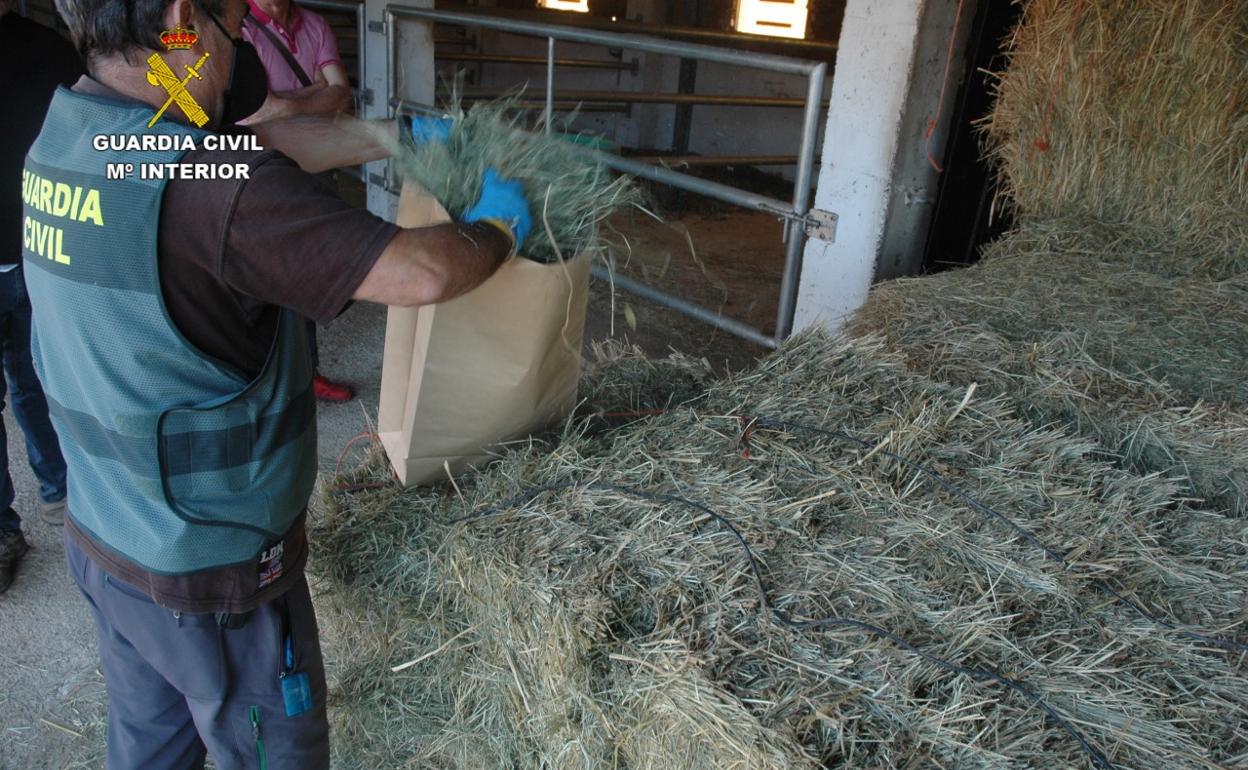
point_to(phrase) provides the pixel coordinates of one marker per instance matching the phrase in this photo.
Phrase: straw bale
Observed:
(1132, 114)
(1153, 367)
(597, 623)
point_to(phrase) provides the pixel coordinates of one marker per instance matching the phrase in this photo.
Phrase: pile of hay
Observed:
(571, 195)
(889, 568)
(1132, 114)
(1154, 368)
(1117, 308)
(567, 608)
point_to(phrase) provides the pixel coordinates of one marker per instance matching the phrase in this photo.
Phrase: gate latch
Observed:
(820, 224)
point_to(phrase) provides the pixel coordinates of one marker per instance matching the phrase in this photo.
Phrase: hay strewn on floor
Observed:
(588, 627)
(1133, 114)
(1153, 367)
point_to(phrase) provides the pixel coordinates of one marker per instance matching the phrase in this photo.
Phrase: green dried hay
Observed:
(1132, 114)
(670, 713)
(618, 380)
(530, 623)
(1153, 367)
(1117, 309)
(570, 194)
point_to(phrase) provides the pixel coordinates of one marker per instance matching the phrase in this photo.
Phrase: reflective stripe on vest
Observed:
(176, 461)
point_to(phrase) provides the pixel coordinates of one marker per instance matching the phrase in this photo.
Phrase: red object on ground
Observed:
(328, 390)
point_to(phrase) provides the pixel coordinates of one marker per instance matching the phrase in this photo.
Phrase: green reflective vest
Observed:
(177, 462)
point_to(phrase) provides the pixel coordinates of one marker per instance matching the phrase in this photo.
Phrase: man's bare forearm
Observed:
(320, 143)
(427, 265)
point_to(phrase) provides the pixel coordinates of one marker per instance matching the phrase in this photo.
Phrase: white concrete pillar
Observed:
(875, 175)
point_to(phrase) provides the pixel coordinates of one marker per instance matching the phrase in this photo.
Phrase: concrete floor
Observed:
(51, 693)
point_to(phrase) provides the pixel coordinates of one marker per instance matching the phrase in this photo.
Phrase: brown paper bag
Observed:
(496, 364)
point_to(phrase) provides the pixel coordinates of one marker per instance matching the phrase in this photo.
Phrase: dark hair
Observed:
(104, 27)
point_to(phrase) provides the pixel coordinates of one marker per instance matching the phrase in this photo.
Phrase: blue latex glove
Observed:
(430, 129)
(502, 202)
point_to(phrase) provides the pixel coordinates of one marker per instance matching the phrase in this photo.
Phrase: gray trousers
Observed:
(180, 686)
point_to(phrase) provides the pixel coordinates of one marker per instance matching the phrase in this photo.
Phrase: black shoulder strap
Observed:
(283, 50)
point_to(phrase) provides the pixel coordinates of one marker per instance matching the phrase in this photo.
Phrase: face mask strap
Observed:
(220, 26)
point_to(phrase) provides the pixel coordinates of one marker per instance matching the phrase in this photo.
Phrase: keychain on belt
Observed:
(296, 690)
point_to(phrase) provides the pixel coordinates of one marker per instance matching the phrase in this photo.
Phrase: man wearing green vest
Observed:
(169, 271)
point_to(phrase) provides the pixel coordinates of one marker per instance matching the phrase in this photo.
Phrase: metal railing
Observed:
(641, 97)
(593, 64)
(820, 49)
(796, 213)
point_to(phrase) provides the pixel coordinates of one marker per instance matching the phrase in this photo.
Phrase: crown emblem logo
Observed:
(179, 38)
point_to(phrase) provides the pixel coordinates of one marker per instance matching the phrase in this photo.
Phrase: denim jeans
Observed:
(30, 407)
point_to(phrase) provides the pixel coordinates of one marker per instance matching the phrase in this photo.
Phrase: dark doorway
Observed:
(964, 220)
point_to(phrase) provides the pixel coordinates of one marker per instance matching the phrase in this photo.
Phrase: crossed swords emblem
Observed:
(160, 75)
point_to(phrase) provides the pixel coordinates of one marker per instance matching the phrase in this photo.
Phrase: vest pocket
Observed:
(248, 463)
(208, 468)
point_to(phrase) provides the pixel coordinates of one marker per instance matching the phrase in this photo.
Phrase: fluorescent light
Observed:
(577, 6)
(777, 18)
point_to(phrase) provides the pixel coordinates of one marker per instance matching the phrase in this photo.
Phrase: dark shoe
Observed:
(52, 513)
(327, 390)
(12, 548)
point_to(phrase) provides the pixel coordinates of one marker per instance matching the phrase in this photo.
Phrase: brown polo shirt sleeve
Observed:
(233, 251)
(291, 241)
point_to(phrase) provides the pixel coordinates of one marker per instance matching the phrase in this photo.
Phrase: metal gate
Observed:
(800, 220)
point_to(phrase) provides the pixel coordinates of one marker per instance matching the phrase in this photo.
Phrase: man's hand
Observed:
(503, 205)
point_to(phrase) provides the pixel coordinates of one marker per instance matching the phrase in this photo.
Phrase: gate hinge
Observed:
(820, 224)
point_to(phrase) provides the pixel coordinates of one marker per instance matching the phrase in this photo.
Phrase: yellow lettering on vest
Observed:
(32, 190)
(61, 256)
(45, 240)
(45, 195)
(41, 240)
(61, 199)
(73, 211)
(91, 209)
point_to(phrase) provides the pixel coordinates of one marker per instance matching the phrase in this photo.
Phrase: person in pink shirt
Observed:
(300, 55)
(306, 76)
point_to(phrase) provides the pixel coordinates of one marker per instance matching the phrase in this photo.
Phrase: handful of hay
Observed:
(637, 598)
(571, 195)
